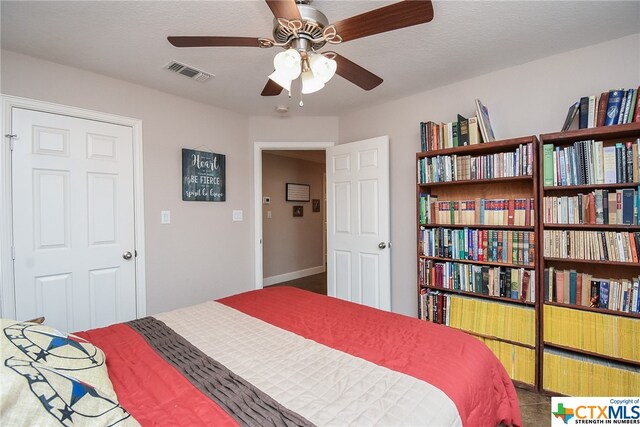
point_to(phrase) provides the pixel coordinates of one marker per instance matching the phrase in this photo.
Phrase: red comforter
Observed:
(458, 364)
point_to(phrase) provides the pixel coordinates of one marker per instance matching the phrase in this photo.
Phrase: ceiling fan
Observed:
(303, 30)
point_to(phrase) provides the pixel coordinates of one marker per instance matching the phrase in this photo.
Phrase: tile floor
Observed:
(536, 408)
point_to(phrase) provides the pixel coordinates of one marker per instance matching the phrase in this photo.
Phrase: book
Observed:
(636, 116)
(595, 293)
(524, 295)
(559, 281)
(613, 107)
(620, 156)
(609, 164)
(571, 115)
(629, 112)
(515, 284)
(591, 119)
(579, 279)
(628, 202)
(463, 131)
(566, 282)
(623, 104)
(548, 164)
(573, 286)
(584, 113)
(545, 279)
(453, 129)
(485, 124)
(474, 131)
(602, 108)
(603, 301)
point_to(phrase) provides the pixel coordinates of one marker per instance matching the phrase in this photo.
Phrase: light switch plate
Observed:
(268, 214)
(165, 217)
(237, 215)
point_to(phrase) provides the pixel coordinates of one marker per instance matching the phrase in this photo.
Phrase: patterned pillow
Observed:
(49, 374)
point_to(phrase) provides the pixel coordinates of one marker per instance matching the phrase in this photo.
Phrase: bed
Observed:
(277, 356)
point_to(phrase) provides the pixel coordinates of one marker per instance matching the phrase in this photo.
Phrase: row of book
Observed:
(618, 207)
(614, 107)
(571, 287)
(462, 168)
(490, 318)
(517, 212)
(464, 131)
(592, 245)
(519, 362)
(589, 376)
(505, 282)
(596, 332)
(438, 136)
(590, 162)
(502, 246)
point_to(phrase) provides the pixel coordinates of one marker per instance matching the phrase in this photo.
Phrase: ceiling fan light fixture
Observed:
(310, 83)
(323, 68)
(288, 63)
(282, 79)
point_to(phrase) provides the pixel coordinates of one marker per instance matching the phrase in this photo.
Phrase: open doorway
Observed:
(293, 219)
(280, 255)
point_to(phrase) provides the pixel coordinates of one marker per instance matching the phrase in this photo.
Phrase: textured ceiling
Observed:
(127, 40)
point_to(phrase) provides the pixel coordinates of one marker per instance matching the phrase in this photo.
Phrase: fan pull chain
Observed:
(301, 104)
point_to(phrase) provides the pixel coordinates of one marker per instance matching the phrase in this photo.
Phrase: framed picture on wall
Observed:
(297, 192)
(297, 211)
(315, 205)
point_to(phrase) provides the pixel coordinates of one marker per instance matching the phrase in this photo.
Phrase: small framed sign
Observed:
(297, 192)
(298, 211)
(203, 176)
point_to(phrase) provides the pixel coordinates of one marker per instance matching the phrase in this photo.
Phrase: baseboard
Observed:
(293, 275)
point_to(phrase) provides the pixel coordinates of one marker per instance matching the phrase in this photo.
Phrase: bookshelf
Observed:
(477, 235)
(587, 229)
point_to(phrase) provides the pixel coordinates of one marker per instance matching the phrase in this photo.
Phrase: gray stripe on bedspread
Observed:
(240, 399)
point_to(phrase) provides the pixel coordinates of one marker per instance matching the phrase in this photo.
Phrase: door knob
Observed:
(382, 245)
(127, 255)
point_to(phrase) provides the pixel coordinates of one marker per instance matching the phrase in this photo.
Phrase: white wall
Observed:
(293, 129)
(529, 99)
(202, 254)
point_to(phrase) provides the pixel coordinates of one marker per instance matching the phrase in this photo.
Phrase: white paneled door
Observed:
(73, 220)
(358, 264)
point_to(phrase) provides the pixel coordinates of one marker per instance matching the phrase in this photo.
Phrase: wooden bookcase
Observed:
(514, 325)
(587, 351)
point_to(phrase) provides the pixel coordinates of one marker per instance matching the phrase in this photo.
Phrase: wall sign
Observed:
(203, 176)
(297, 192)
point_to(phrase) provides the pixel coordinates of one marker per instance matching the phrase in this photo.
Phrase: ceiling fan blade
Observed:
(286, 9)
(271, 88)
(356, 74)
(207, 41)
(392, 17)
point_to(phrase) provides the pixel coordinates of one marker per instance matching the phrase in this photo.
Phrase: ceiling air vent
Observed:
(188, 71)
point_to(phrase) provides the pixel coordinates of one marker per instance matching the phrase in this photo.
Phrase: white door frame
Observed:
(7, 297)
(257, 191)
